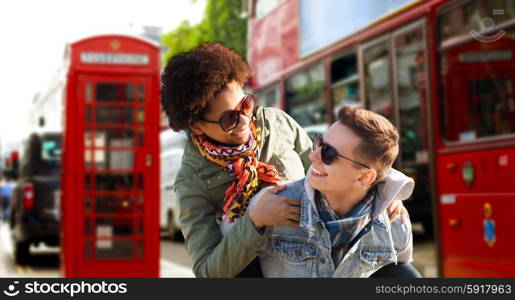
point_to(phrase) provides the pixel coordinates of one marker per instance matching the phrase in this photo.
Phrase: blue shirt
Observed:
(6, 189)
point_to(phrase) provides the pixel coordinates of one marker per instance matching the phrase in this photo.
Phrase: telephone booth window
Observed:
(113, 180)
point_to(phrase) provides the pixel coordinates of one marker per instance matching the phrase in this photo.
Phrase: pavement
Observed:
(424, 253)
(174, 259)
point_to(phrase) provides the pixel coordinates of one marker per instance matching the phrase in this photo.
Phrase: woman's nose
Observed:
(244, 121)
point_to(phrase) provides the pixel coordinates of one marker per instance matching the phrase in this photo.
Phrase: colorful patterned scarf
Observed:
(250, 175)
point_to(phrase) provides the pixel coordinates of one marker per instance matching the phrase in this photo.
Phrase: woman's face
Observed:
(228, 99)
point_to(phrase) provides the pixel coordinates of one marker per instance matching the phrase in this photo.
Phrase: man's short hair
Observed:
(379, 145)
(190, 80)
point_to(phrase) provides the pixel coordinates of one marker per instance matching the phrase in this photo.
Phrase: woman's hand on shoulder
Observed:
(396, 209)
(273, 209)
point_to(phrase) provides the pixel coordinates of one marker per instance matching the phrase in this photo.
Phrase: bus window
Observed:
(269, 96)
(491, 106)
(377, 79)
(472, 15)
(345, 82)
(477, 78)
(305, 96)
(410, 66)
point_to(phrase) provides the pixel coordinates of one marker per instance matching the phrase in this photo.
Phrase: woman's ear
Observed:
(196, 128)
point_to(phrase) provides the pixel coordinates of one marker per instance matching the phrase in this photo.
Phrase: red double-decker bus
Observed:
(442, 71)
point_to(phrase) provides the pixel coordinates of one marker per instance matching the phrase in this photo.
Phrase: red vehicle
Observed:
(442, 71)
(110, 200)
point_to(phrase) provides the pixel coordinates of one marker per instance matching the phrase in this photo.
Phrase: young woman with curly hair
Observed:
(234, 149)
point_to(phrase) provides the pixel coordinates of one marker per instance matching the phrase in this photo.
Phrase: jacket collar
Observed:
(260, 113)
(308, 208)
(395, 186)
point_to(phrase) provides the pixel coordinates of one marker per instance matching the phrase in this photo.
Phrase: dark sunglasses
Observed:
(329, 154)
(231, 118)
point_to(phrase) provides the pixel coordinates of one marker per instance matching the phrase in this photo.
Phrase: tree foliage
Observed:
(184, 38)
(223, 18)
(221, 22)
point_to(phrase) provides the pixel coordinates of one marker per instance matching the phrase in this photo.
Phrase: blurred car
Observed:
(34, 202)
(172, 148)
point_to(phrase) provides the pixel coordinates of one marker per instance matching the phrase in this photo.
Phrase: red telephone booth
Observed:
(110, 187)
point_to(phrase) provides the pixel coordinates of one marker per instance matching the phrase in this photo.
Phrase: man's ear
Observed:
(367, 178)
(196, 128)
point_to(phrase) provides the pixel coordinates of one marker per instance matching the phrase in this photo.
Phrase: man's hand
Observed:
(396, 209)
(275, 210)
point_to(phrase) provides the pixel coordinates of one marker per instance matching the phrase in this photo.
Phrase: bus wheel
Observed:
(21, 252)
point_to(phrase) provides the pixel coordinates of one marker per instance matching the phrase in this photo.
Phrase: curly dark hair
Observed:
(192, 79)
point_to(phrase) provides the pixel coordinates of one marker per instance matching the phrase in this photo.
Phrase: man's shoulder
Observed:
(294, 189)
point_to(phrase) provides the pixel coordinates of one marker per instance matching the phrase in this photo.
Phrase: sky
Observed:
(34, 33)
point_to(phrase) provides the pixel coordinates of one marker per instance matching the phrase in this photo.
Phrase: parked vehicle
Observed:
(34, 202)
(172, 148)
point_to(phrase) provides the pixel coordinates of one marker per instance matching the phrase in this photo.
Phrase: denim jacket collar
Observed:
(308, 208)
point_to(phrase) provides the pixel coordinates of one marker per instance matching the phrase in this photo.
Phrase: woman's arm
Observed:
(212, 255)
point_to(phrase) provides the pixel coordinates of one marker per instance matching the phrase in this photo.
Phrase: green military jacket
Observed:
(200, 187)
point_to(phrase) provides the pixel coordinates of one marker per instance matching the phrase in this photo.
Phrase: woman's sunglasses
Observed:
(329, 154)
(231, 118)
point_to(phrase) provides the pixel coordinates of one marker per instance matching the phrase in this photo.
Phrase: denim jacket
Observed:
(305, 251)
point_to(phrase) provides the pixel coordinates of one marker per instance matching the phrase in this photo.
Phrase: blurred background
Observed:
(84, 76)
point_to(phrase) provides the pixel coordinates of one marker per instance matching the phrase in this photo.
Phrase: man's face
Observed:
(340, 175)
(228, 99)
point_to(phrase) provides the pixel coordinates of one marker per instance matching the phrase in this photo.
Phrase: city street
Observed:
(174, 261)
(45, 261)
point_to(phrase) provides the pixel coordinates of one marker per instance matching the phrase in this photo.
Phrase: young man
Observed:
(344, 228)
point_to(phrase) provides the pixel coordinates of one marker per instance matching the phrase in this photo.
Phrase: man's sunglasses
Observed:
(231, 118)
(329, 154)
